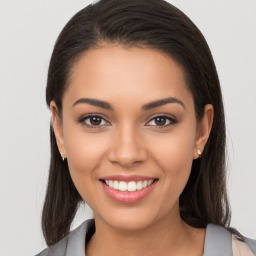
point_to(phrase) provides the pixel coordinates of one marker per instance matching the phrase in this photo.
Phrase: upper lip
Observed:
(128, 178)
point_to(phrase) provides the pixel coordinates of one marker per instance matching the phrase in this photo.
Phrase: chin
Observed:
(130, 224)
(130, 219)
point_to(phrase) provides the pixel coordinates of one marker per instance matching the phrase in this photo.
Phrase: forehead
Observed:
(130, 74)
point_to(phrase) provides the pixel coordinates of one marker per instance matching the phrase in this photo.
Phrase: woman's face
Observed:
(142, 128)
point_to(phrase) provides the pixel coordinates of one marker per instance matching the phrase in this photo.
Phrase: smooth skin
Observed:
(130, 140)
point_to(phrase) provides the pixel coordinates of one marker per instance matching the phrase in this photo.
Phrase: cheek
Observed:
(84, 152)
(175, 156)
(84, 148)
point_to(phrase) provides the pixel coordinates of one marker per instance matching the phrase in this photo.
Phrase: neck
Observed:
(167, 236)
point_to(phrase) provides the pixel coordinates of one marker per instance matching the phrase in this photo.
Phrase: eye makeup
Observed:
(96, 119)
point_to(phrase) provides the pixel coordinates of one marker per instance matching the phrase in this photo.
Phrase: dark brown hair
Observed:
(152, 24)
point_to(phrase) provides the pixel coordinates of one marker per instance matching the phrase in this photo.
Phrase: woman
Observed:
(137, 133)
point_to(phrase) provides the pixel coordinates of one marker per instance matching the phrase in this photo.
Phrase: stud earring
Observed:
(63, 158)
(199, 153)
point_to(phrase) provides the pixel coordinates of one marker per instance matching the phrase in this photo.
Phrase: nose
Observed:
(127, 148)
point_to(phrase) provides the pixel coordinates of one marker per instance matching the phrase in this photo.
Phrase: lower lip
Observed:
(126, 196)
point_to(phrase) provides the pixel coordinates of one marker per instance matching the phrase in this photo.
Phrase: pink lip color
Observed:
(126, 196)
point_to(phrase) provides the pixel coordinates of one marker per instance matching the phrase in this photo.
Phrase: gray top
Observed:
(217, 242)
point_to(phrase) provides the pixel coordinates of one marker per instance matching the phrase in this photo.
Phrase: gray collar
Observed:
(217, 242)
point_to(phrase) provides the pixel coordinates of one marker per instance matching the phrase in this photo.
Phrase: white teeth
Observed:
(122, 186)
(131, 186)
(128, 186)
(150, 182)
(115, 184)
(139, 185)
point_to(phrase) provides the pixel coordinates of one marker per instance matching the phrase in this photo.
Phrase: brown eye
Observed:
(162, 121)
(93, 121)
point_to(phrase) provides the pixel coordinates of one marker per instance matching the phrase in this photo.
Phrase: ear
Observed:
(204, 129)
(58, 128)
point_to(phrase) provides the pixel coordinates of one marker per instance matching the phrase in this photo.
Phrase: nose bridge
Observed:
(127, 147)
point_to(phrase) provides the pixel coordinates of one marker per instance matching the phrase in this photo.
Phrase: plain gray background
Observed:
(28, 30)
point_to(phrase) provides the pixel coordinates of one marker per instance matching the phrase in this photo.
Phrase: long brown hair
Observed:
(143, 23)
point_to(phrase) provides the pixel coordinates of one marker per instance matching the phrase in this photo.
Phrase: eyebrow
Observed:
(150, 105)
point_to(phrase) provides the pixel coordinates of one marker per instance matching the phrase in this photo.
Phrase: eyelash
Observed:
(81, 120)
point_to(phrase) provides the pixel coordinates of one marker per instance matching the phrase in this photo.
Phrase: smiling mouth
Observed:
(130, 186)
